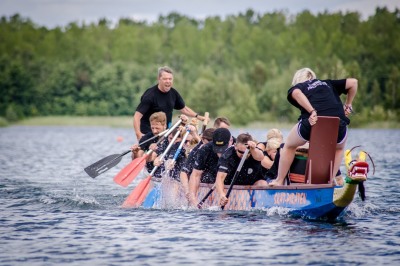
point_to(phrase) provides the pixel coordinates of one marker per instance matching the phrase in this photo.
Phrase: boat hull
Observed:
(306, 201)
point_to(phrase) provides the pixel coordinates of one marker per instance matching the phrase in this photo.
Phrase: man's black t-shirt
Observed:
(229, 162)
(179, 162)
(146, 146)
(207, 161)
(145, 137)
(153, 100)
(188, 167)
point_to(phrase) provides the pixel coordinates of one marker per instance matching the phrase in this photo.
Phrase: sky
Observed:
(53, 13)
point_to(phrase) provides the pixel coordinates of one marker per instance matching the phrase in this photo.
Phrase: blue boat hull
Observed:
(325, 202)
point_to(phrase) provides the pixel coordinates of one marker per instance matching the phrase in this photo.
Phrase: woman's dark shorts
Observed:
(304, 130)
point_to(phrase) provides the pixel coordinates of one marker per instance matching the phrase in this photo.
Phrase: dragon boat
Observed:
(311, 194)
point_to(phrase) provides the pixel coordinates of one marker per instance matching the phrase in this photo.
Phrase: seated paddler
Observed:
(187, 168)
(158, 123)
(229, 161)
(206, 162)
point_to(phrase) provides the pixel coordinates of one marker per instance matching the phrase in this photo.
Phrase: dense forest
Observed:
(240, 66)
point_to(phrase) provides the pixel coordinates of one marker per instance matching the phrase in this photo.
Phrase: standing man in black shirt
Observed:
(161, 97)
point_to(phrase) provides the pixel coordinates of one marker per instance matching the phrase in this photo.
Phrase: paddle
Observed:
(205, 122)
(200, 204)
(178, 151)
(138, 194)
(110, 161)
(236, 174)
(129, 172)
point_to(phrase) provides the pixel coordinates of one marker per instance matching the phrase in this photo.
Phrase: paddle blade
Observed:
(103, 165)
(137, 196)
(144, 194)
(126, 175)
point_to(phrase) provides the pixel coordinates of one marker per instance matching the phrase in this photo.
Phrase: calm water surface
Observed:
(52, 213)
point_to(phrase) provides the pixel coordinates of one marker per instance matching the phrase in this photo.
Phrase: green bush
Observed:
(3, 122)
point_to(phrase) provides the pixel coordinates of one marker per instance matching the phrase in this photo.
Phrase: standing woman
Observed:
(316, 97)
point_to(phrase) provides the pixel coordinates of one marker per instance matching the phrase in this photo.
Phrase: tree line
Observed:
(240, 67)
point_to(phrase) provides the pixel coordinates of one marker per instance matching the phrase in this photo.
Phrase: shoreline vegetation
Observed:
(240, 66)
(127, 122)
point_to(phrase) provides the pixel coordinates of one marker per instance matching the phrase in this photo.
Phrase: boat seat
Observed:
(322, 150)
(298, 168)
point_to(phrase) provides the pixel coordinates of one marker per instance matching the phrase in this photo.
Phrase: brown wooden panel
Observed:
(321, 154)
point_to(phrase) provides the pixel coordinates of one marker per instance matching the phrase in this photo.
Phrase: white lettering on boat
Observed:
(292, 198)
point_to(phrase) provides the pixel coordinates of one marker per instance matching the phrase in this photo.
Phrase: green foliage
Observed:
(14, 113)
(3, 122)
(241, 107)
(240, 66)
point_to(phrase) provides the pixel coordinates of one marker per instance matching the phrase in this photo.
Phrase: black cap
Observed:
(221, 138)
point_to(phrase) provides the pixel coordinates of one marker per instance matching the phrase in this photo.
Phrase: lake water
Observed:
(52, 213)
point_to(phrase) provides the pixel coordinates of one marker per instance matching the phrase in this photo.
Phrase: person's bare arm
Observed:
(256, 153)
(219, 184)
(194, 183)
(266, 162)
(185, 184)
(136, 125)
(136, 151)
(351, 86)
(194, 133)
(305, 103)
(302, 100)
(189, 112)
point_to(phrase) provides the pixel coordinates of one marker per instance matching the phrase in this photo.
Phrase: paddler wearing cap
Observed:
(187, 169)
(229, 162)
(206, 162)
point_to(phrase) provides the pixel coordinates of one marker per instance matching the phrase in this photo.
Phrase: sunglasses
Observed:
(241, 152)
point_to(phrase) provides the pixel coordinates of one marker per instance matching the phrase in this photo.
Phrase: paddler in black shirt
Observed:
(229, 162)
(206, 162)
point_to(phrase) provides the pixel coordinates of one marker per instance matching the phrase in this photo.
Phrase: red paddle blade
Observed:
(143, 195)
(126, 175)
(138, 195)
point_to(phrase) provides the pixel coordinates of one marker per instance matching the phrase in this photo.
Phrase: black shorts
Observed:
(304, 130)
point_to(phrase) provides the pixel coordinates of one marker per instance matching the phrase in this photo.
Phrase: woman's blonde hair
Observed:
(274, 133)
(273, 144)
(302, 75)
